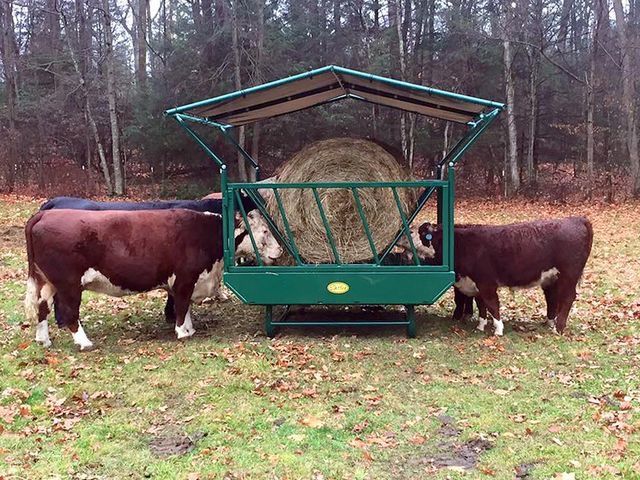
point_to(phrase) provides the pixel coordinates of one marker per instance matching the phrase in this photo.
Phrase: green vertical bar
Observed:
(287, 228)
(444, 225)
(327, 229)
(226, 214)
(248, 227)
(407, 230)
(439, 219)
(451, 178)
(365, 224)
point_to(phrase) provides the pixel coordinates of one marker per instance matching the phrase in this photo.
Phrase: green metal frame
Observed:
(372, 283)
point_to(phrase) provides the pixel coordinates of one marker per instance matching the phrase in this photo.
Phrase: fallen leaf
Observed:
(8, 413)
(417, 440)
(311, 422)
(565, 476)
(359, 427)
(193, 476)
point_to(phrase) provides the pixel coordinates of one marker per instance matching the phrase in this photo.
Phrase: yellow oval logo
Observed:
(338, 288)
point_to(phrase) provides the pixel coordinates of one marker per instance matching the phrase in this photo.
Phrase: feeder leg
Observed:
(411, 318)
(269, 329)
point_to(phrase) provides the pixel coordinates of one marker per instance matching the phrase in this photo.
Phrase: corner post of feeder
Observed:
(451, 223)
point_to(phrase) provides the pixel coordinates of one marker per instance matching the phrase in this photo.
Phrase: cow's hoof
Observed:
(184, 331)
(44, 343)
(86, 347)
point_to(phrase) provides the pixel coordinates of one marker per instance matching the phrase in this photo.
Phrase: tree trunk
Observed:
(403, 74)
(258, 78)
(533, 117)
(8, 49)
(87, 107)
(513, 177)
(235, 45)
(116, 158)
(628, 94)
(141, 41)
(590, 87)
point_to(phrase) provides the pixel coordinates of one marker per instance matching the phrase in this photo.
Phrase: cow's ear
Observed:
(238, 220)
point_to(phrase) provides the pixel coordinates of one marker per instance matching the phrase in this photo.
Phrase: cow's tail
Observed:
(32, 297)
(589, 228)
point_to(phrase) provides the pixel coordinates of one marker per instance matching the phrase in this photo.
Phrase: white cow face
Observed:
(424, 247)
(268, 247)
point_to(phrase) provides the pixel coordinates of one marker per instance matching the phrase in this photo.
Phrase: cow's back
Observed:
(136, 250)
(74, 203)
(516, 254)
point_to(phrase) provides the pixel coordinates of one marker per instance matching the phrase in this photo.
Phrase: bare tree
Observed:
(242, 167)
(258, 78)
(629, 97)
(513, 174)
(88, 111)
(116, 159)
(9, 56)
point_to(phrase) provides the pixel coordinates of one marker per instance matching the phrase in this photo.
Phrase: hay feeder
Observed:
(338, 207)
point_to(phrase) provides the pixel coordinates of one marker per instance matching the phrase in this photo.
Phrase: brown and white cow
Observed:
(125, 252)
(546, 253)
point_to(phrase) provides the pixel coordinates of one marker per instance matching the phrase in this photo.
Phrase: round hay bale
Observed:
(341, 160)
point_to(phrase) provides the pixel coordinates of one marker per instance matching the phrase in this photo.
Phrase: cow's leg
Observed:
(566, 295)
(551, 296)
(482, 314)
(182, 300)
(170, 310)
(482, 309)
(38, 302)
(67, 305)
(460, 300)
(489, 297)
(468, 308)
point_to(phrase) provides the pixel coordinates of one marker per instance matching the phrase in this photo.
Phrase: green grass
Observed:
(328, 403)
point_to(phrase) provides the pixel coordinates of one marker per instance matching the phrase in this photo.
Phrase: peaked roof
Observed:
(329, 84)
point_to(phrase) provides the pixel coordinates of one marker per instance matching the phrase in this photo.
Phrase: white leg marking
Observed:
(481, 324)
(80, 338)
(31, 300)
(186, 330)
(42, 333)
(498, 327)
(551, 322)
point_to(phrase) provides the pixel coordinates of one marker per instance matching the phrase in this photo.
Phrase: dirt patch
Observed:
(524, 471)
(12, 236)
(448, 452)
(462, 456)
(168, 445)
(448, 428)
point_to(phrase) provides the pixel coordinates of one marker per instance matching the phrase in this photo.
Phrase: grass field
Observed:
(319, 404)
